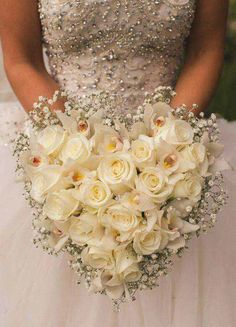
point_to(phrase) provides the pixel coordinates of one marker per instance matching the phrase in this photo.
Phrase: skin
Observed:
(205, 55)
(20, 32)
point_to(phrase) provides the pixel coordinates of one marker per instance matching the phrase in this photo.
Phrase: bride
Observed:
(127, 48)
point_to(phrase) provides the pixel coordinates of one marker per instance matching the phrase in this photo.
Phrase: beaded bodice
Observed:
(126, 47)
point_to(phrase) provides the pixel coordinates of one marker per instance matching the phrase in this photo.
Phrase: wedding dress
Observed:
(126, 47)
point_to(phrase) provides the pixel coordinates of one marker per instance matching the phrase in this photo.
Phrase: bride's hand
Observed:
(22, 52)
(205, 54)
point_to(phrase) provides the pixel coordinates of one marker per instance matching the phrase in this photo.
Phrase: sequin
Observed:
(125, 47)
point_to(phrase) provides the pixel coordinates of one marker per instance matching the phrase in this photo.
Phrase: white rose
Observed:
(154, 183)
(118, 171)
(51, 139)
(190, 187)
(194, 156)
(97, 258)
(82, 228)
(142, 151)
(179, 133)
(94, 193)
(119, 218)
(127, 266)
(114, 280)
(196, 153)
(43, 181)
(60, 205)
(77, 148)
(109, 281)
(147, 242)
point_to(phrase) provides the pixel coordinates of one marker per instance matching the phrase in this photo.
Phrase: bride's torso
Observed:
(126, 47)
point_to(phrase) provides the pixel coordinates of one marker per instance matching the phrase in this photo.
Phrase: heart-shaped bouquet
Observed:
(121, 193)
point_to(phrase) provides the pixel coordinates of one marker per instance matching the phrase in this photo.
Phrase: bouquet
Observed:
(120, 193)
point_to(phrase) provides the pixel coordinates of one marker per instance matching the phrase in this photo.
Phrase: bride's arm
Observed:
(22, 51)
(205, 54)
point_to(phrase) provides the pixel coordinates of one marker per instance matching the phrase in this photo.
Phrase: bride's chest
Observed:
(79, 21)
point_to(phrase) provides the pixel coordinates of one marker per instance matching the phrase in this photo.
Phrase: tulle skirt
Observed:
(40, 290)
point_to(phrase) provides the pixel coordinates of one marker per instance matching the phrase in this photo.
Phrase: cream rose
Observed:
(60, 205)
(117, 171)
(147, 242)
(51, 139)
(154, 183)
(179, 133)
(43, 181)
(82, 228)
(97, 258)
(127, 266)
(142, 151)
(109, 281)
(77, 148)
(119, 218)
(132, 273)
(94, 193)
(196, 153)
(113, 281)
(190, 187)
